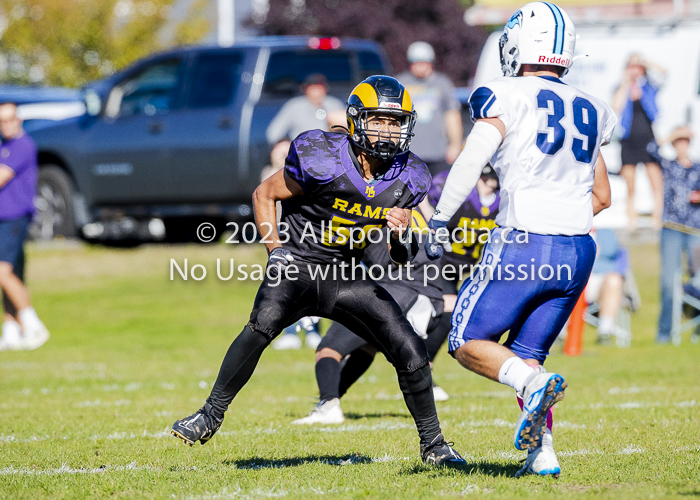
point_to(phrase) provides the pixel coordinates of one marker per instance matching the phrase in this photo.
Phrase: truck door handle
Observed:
(156, 127)
(225, 122)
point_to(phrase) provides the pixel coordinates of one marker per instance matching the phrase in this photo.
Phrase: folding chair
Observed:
(680, 298)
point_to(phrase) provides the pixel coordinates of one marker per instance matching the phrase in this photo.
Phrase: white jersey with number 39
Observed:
(547, 158)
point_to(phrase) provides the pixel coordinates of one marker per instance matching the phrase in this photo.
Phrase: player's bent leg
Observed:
(486, 358)
(272, 311)
(533, 339)
(391, 333)
(239, 363)
(540, 390)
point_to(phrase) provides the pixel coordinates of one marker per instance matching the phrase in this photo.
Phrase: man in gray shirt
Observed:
(438, 139)
(313, 110)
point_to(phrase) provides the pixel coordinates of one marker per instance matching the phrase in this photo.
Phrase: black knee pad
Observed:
(411, 354)
(252, 331)
(418, 380)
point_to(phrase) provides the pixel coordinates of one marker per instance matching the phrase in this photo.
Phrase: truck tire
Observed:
(55, 214)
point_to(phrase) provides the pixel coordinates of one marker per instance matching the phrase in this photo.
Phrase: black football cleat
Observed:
(440, 453)
(198, 427)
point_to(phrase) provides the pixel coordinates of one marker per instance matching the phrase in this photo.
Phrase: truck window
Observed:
(287, 70)
(370, 64)
(215, 80)
(152, 90)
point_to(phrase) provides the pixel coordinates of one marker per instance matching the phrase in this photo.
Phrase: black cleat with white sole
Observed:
(198, 427)
(440, 453)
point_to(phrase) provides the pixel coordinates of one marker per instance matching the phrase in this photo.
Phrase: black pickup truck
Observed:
(180, 136)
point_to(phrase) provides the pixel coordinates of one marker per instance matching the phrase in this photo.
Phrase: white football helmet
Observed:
(539, 33)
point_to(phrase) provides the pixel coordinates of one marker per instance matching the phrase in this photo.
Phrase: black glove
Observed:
(278, 259)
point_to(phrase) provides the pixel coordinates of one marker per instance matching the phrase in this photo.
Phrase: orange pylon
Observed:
(574, 332)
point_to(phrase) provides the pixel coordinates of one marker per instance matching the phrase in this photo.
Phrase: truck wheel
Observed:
(54, 205)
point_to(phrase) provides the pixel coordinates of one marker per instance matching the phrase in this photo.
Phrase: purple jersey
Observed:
(17, 195)
(466, 225)
(470, 226)
(338, 209)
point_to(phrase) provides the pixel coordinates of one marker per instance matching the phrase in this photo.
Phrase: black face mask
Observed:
(383, 149)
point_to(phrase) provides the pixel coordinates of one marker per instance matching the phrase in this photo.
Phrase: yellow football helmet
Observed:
(386, 96)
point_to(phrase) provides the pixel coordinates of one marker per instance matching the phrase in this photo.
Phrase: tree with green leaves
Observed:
(395, 24)
(71, 42)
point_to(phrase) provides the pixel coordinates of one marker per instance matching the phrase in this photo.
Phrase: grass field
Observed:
(87, 415)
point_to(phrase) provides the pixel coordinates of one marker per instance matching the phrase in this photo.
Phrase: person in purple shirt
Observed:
(22, 328)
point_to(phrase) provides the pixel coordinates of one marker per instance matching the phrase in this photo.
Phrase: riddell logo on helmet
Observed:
(554, 60)
(390, 105)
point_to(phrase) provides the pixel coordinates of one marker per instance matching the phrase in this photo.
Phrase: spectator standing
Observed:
(313, 110)
(439, 134)
(635, 104)
(606, 283)
(681, 221)
(22, 328)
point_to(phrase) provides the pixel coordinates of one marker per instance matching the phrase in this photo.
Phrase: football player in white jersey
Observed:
(543, 138)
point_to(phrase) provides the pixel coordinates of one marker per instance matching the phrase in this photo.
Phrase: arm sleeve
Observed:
(481, 145)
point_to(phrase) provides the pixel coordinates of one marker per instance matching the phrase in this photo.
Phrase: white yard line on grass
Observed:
(65, 469)
(582, 453)
(269, 493)
(381, 426)
(13, 439)
(97, 402)
(635, 390)
(632, 449)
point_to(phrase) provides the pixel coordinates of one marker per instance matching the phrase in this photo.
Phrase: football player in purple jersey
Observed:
(337, 189)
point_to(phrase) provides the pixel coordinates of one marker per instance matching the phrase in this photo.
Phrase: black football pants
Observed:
(362, 306)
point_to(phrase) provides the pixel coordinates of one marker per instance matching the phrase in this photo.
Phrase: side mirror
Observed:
(93, 103)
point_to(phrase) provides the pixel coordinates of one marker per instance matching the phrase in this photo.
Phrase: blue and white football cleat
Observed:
(542, 390)
(541, 461)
